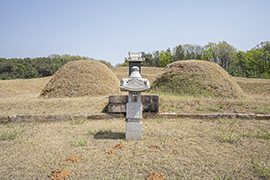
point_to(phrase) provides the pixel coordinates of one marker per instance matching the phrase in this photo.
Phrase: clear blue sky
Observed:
(108, 29)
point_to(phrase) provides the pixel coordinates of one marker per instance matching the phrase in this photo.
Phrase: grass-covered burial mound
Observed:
(196, 78)
(81, 78)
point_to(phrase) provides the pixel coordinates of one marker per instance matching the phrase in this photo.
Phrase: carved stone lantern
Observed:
(134, 84)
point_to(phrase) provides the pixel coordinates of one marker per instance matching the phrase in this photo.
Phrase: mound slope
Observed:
(80, 78)
(196, 78)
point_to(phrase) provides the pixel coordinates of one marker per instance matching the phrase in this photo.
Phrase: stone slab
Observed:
(117, 108)
(134, 130)
(117, 103)
(134, 110)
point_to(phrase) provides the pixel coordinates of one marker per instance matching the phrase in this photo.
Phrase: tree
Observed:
(165, 58)
(156, 58)
(226, 54)
(178, 53)
(192, 51)
(211, 52)
(148, 59)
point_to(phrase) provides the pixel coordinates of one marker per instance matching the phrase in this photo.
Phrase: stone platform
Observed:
(117, 103)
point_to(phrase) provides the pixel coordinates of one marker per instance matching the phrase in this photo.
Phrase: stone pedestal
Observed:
(134, 129)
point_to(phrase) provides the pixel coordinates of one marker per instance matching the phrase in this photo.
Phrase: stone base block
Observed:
(117, 103)
(134, 130)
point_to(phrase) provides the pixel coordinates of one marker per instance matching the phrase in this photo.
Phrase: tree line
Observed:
(17, 68)
(254, 63)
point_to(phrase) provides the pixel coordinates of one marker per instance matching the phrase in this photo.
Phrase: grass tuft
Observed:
(261, 167)
(222, 178)
(10, 134)
(80, 142)
(228, 136)
(263, 134)
(78, 121)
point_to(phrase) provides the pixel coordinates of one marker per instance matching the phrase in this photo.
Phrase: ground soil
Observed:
(119, 146)
(74, 159)
(61, 174)
(154, 147)
(110, 151)
(155, 176)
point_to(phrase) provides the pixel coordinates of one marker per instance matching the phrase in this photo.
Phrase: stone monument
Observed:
(134, 59)
(134, 84)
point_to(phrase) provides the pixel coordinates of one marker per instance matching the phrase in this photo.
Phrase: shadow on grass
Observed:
(105, 109)
(110, 135)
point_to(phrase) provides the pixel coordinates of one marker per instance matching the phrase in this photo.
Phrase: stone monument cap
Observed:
(135, 57)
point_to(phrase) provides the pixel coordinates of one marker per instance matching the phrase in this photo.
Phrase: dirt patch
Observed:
(119, 146)
(110, 152)
(155, 176)
(196, 78)
(82, 78)
(61, 174)
(12, 91)
(153, 147)
(21, 87)
(74, 159)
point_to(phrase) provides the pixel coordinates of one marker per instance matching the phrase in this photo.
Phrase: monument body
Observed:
(134, 84)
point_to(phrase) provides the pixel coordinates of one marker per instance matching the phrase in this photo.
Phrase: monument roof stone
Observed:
(135, 57)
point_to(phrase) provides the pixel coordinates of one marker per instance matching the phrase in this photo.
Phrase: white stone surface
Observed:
(134, 110)
(135, 83)
(134, 130)
(135, 57)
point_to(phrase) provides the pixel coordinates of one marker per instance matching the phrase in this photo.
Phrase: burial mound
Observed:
(81, 78)
(196, 78)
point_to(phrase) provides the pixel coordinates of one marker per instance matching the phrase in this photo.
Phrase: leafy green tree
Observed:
(165, 58)
(156, 59)
(178, 53)
(226, 54)
(148, 59)
(192, 51)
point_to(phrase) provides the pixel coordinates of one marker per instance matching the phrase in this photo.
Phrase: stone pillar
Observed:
(134, 115)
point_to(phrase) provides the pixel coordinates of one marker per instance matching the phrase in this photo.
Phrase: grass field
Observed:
(192, 149)
(185, 148)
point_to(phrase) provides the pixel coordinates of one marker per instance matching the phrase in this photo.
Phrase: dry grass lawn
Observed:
(181, 148)
(192, 149)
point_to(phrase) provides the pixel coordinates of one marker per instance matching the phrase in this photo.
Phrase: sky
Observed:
(109, 29)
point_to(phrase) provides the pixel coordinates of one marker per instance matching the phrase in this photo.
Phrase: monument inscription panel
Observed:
(134, 110)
